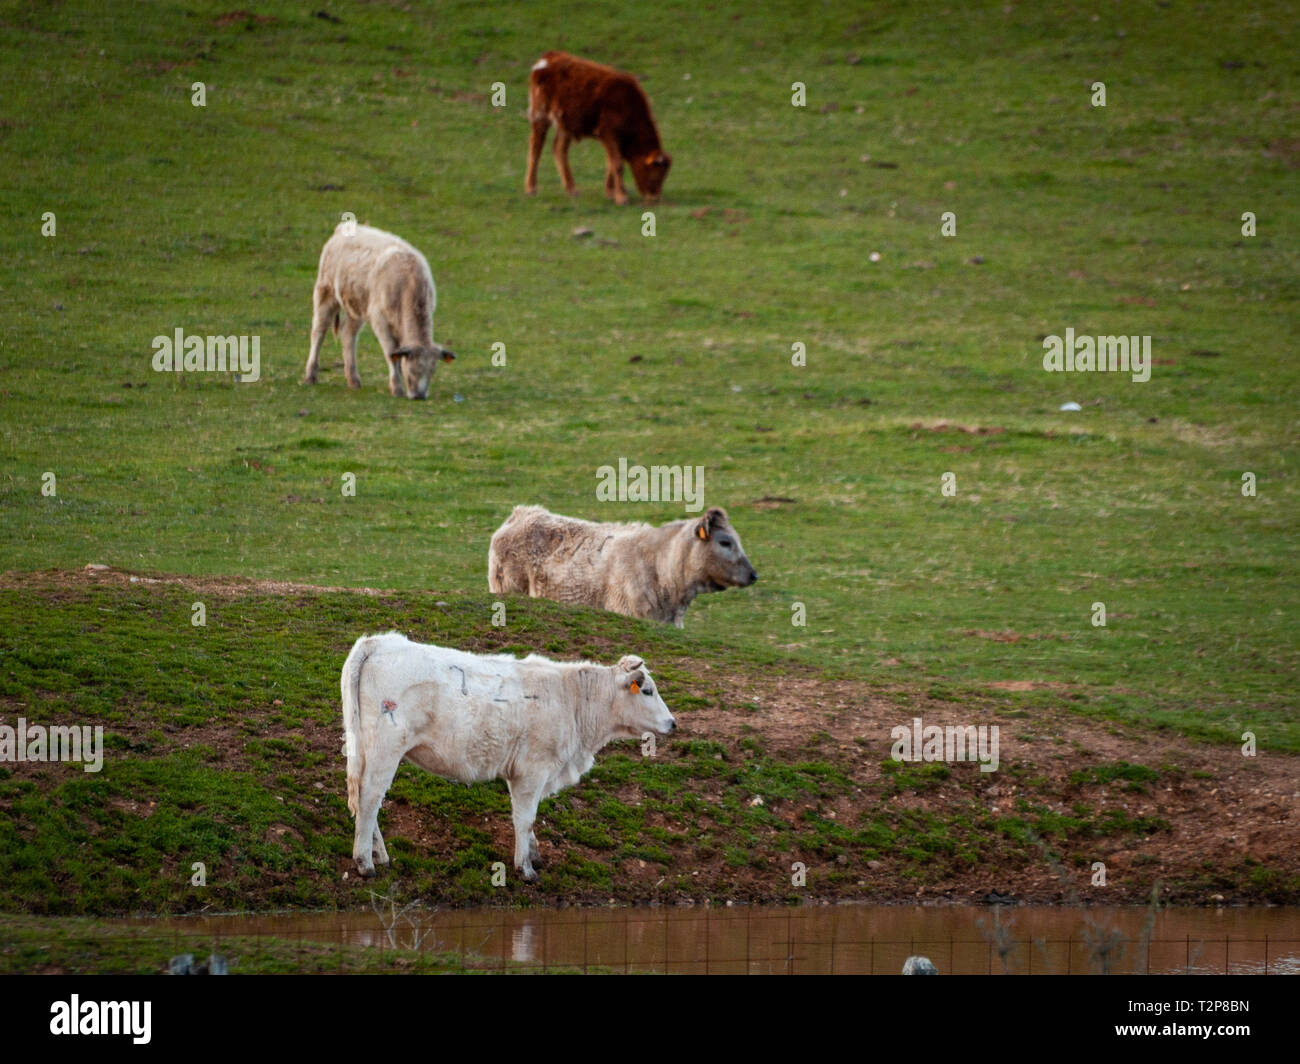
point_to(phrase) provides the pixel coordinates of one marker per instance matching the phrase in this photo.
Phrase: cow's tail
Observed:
(350, 685)
(334, 323)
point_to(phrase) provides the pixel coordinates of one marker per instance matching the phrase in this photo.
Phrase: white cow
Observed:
(536, 724)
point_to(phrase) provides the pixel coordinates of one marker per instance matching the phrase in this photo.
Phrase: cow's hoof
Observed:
(530, 875)
(354, 384)
(366, 871)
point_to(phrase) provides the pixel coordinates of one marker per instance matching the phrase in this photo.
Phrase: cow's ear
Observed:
(716, 517)
(403, 352)
(448, 356)
(702, 529)
(629, 663)
(635, 681)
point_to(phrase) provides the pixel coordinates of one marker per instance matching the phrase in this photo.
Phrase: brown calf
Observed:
(585, 99)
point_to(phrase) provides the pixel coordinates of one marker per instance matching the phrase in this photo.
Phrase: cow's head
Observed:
(417, 365)
(649, 171)
(719, 559)
(637, 706)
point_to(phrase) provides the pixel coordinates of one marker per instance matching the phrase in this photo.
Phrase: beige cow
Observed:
(635, 569)
(367, 275)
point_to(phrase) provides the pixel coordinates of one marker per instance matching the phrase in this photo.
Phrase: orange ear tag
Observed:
(636, 688)
(703, 532)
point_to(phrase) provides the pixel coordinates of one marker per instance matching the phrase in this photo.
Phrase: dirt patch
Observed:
(1009, 636)
(1220, 806)
(970, 430)
(93, 574)
(244, 18)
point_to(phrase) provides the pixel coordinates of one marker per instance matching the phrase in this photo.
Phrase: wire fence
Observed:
(628, 941)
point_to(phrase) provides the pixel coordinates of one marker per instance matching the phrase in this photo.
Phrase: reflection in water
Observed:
(838, 939)
(521, 944)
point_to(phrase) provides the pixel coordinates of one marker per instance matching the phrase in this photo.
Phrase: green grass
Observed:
(222, 749)
(1123, 219)
(211, 219)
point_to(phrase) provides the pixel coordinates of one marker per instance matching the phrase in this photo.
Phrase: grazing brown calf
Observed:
(585, 99)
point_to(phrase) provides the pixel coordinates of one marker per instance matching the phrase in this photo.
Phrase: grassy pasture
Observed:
(667, 349)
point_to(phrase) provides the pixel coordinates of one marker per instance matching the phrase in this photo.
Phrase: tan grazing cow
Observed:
(367, 275)
(635, 569)
(585, 99)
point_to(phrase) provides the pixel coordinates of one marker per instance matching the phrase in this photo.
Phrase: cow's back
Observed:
(581, 96)
(462, 716)
(552, 556)
(359, 260)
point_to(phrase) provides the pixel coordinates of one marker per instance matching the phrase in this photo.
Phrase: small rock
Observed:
(1070, 406)
(976, 260)
(874, 256)
(582, 231)
(95, 567)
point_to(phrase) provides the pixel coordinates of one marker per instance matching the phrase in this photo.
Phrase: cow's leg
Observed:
(614, 172)
(385, 337)
(324, 308)
(534, 851)
(348, 337)
(375, 781)
(536, 141)
(524, 797)
(562, 142)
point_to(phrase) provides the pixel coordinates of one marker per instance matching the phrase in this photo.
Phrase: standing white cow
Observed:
(367, 275)
(535, 723)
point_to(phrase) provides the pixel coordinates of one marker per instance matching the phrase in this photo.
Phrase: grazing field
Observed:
(780, 225)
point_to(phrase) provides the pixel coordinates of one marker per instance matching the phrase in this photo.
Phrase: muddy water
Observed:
(840, 939)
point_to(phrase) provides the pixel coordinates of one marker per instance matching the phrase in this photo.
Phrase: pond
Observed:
(825, 939)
